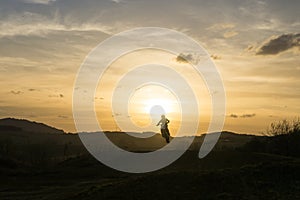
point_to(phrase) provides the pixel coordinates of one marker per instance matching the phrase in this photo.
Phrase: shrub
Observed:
(283, 127)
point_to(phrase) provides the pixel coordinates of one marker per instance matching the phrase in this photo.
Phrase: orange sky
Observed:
(255, 47)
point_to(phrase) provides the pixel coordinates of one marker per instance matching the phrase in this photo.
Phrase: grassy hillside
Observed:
(38, 165)
(28, 126)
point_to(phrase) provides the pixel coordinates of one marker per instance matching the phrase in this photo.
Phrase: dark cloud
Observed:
(62, 116)
(56, 96)
(279, 44)
(184, 58)
(187, 58)
(273, 116)
(250, 48)
(242, 116)
(233, 116)
(216, 57)
(248, 115)
(31, 90)
(16, 92)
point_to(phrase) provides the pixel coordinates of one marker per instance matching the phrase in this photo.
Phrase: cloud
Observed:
(184, 58)
(39, 1)
(230, 34)
(278, 44)
(56, 96)
(117, 1)
(34, 24)
(250, 48)
(216, 57)
(233, 116)
(187, 58)
(32, 89)
(221, 26)
(16, 92)
(226, 29)
(242, 116)
(273, 116)
(62, 116)
(248, 115)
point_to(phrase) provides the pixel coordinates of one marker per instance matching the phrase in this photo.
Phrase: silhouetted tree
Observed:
(284, 139)
(283, 127)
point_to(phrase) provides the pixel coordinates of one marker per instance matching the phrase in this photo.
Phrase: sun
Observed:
(154, 99)
(148, 104)
(158, 105)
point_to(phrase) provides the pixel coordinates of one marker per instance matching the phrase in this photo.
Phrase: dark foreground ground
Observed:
(38, 162)
(221, 175)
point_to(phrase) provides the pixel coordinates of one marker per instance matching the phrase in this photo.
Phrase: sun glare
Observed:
(151, 105)
(153, 99)
(150, 102)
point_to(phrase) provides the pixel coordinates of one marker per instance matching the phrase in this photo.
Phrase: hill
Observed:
(37, 143)
(43, 165)
(28, 126)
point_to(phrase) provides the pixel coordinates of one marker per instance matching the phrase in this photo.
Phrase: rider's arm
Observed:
(158, 123)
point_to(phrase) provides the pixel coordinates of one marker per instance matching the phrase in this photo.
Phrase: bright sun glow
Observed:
(150, 102)
(165, 104)
(154, 99)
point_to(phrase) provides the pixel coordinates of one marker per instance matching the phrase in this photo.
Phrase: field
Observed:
(57, 166)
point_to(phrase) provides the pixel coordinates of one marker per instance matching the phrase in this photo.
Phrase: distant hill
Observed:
(15, 129)
(7, 124)
(226, 140)
(37, 143)
(33, 143)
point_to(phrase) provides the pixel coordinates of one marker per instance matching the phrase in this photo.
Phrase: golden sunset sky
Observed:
(255, 45)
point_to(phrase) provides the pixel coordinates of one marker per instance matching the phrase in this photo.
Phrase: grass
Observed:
(57, 167)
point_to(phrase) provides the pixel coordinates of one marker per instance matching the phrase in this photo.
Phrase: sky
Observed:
(255, 45)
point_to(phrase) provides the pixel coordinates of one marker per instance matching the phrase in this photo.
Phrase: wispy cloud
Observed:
(233, 116)
(216, 57)
(63, 116)
(39, 1)
(117, 1)
(16, 92)
(230, 34)
(32, 90)
(56, 96)
(29, 23)
(248, 115)
(242, 116)
(221, 26)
